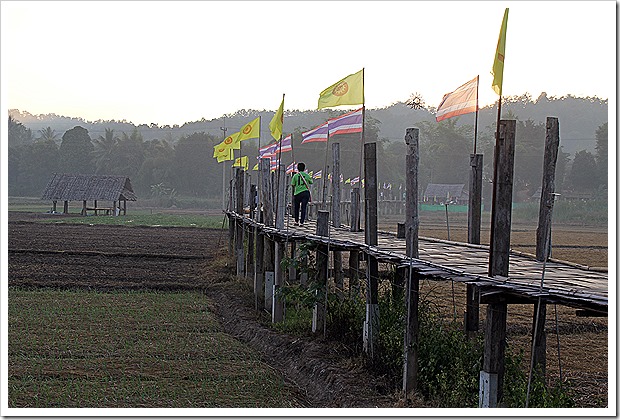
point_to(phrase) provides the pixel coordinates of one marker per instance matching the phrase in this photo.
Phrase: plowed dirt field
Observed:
(101, 257)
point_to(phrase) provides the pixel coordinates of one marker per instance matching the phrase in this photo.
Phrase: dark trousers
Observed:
(301, 201)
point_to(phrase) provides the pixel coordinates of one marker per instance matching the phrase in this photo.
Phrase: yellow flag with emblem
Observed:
(232, 141)
(348, 91)
(223, 153)
(251, 130)
(220, 150)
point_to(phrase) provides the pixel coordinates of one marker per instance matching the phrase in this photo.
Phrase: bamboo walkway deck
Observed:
(564, 283)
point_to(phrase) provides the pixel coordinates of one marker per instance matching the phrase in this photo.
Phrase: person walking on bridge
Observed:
(301, 193)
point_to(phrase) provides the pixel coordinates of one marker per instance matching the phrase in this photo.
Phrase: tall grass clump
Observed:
(449, 363)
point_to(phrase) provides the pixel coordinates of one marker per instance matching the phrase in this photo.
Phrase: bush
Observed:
(449, 363)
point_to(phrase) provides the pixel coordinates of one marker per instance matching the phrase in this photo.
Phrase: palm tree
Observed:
(104, 147)
(48, 134)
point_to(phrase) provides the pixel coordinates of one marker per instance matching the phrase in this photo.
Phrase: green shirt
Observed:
(298, 184)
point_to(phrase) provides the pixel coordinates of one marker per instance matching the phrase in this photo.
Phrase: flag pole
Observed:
(325, 171)
(363, 128)
(224, 129)
(280, 157)
(476, 123)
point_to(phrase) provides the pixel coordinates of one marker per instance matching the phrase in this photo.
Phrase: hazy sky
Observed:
(174, 62)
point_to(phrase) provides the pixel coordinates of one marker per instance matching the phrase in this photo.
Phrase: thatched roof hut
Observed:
(76, 187)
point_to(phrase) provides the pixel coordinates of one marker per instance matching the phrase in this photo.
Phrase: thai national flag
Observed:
(318, 134)
(273, 164)
(291, 168)
(355, 180)
(267, 151)
(286, 145)
(351, 122)
(318, 175)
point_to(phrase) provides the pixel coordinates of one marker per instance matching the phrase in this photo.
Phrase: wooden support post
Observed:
(247, 186)
(249, 264)
(259, 271)
(281, 196)
(268, 261)
(231, 237)
(371, 324)
(355, 209)
(239, 189)
(552, 143)
(84, 207)
(65, 208)
(303, 276)
(336, 186)
(400, 231)
(472, 314)
(265, 191)
(410, 368)
(253, 201)
(322, 262)
(292, 271)
(338, 273)
(474, 212)
(500, 239)
(277, 313)
(492, 374)
(539, 338)
(54, 206)
(354, 273)
(398, 285)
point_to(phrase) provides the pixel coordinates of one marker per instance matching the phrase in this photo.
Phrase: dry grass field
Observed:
(111, 316)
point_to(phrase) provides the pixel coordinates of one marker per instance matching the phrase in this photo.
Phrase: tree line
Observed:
(185, 166)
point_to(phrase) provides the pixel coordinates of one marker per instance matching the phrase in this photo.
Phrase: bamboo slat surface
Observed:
(566, 283)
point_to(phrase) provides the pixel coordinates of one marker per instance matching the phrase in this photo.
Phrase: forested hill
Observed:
(579, 118)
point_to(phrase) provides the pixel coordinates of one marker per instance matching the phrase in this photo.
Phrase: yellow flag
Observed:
(232, 141)
(221, 150)
(275, 126)
(348, 91)
(251, 130)
(227, 154)
(498, 63)
(241, 162)
(255, 168)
